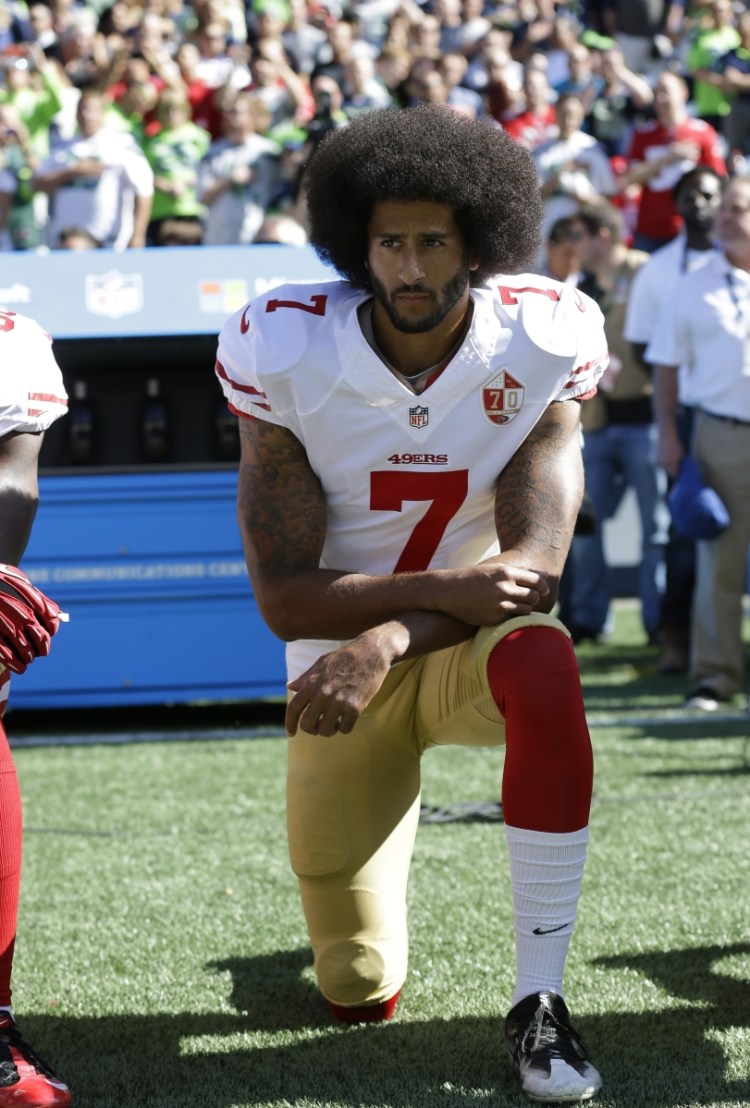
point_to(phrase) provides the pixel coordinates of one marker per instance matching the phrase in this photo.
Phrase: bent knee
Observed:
(354, 972)
(534, 670)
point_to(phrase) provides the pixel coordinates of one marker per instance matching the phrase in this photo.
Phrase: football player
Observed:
(32, 397)
(409, 483)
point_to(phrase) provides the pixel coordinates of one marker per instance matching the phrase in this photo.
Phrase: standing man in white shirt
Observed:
(237, 175)
(707, 329)
(573, 167)
(696, 197)
(99, 180)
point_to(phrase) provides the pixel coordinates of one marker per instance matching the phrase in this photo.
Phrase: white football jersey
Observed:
(409, 480)
(32, 394)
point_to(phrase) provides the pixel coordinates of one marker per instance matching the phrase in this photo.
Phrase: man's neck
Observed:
(698, 238)
(413, 353)
(671, 120)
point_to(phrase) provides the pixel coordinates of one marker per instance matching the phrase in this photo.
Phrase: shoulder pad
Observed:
(280, 324)
(549, 313)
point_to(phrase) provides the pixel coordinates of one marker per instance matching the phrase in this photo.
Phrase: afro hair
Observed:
(432, 153)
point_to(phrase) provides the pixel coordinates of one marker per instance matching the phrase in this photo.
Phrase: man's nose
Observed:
(412, 269)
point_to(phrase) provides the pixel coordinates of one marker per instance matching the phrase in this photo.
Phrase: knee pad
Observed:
(527, 656)
(359, 960)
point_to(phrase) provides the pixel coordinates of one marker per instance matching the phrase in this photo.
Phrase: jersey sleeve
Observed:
(32, 393)
(712, 152)
(263, 354)
(584, 317)
(247, 366)
(237, 370)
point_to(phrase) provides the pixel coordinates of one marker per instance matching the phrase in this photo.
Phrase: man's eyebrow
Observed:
(431, 233)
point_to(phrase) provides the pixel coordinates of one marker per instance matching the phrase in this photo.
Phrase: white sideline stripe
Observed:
(667, 716)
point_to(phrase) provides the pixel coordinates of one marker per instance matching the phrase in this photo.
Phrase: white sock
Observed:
(545, 872)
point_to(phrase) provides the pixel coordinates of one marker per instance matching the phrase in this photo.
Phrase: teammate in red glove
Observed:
(410, 479)
(32, 397)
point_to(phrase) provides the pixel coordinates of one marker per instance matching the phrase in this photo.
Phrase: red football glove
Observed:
(28, 620)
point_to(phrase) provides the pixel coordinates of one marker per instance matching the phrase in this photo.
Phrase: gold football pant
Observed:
(353, 806)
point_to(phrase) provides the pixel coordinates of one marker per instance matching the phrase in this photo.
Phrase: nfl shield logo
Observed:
(418, 417)
(114, 294)
(502, 398)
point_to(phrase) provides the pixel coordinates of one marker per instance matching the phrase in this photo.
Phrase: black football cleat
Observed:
(548, 1055)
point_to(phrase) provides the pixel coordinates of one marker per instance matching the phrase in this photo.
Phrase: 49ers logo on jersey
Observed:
(502, 397)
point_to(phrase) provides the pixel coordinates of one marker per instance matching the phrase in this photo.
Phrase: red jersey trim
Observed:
(48, 398)
(248, 389)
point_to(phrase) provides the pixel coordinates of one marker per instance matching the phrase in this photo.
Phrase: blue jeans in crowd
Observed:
(616, 458)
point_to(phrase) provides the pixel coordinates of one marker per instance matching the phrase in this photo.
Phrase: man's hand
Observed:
(491, 593)
(669, 450)
(88, 167)
(332, 694)
(684, 150)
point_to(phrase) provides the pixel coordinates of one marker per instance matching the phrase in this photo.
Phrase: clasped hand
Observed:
(491, 592)
(330, 696)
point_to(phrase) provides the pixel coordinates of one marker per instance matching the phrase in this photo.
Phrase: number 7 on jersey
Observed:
(446, 493)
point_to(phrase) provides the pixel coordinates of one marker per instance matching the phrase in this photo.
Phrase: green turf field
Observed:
(162, 958)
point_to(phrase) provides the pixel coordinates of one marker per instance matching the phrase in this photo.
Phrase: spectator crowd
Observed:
(154, 122)
(163, 122)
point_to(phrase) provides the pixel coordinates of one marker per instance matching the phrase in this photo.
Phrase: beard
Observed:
(447, 298)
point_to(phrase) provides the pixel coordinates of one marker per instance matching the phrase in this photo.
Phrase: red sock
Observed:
(372, 1013)
(549, 769)
(10, 862)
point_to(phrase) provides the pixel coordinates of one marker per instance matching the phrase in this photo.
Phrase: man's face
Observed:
(570, 116)
(90, 114)
(564, 256)
(669, 95)
(699, 201)
(733, 218)
(238, 120)
(592, 249)
(418, 265)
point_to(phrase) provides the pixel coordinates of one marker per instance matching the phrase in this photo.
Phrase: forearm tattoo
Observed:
(540, 489)
(280, 503)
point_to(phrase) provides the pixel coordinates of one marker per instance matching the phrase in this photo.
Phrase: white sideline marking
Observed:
(664, 717)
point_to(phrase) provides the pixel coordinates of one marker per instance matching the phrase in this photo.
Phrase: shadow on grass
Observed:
(733, 735)
(659, 1058)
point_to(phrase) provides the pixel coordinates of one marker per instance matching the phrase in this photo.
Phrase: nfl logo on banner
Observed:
(418, 417)
(502, 398)
(114, 294)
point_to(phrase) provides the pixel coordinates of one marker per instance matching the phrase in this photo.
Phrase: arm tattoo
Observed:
(540, 489)
(280, 504)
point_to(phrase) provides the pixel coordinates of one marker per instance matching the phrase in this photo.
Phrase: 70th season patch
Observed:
(502, 397)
